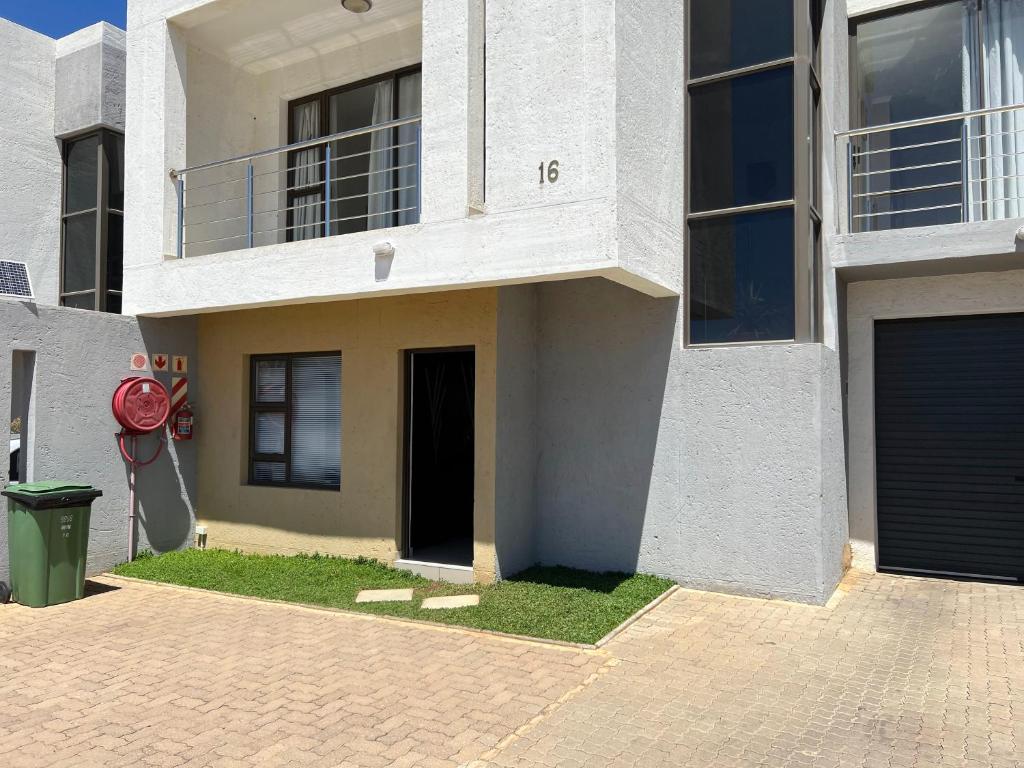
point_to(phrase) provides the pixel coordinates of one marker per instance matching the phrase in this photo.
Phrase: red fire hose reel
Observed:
(141, 405)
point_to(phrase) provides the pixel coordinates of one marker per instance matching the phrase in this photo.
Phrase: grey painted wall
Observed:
(80, 357)
(516, 429)
(30, 162)
(90, 80)
(719, 468)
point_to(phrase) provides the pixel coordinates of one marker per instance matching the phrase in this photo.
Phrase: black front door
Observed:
(440, 456)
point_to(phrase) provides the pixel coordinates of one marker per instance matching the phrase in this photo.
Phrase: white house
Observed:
(723, 291)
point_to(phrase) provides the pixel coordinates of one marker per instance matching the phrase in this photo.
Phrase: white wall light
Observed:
(357, 6)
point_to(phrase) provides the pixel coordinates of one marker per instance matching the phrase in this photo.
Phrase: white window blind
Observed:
(296, 421)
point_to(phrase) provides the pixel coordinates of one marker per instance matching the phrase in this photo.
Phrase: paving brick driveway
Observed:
(900, 672)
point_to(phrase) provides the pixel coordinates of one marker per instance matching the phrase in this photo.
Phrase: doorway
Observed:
(439, 456)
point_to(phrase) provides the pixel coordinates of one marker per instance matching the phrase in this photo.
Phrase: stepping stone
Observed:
(384, 596)
(454, 601)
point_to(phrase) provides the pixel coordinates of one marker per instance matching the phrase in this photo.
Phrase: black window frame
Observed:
(324, 99)
(285, 408)
(106, 148)
(805, 62)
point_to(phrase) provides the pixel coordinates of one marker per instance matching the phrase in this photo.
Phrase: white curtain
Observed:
(409, 88)
(998, 180)
(380, 180)
(307, 213)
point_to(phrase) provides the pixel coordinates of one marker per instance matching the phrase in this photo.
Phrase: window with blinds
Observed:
(295, 422)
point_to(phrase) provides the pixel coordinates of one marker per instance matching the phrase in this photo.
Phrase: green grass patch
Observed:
(552, 603)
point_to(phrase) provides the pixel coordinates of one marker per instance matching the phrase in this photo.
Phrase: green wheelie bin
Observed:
(47, 541)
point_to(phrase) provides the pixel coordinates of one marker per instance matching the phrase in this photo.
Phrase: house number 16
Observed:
(552, 172)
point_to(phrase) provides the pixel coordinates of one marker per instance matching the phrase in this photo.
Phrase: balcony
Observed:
(960, 168)
(352, 181)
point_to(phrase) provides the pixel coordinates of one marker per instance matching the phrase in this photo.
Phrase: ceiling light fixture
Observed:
(357, 6)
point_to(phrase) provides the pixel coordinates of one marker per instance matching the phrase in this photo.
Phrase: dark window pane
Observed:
(271, 376)
(730, 34)
(114, 303)
(115, 251)
(79, 252)
(742, 140)
(115, 171)
(316, 420)
(910, 65)
(80, 301)
(741, 278)
(268, 435)
(80, 182)
(268, 472)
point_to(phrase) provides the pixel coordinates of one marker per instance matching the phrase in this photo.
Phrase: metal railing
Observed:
(963, 167)
(353, 181)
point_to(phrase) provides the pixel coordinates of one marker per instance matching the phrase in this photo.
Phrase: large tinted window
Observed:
(910, 65)
(92, 224)
(741, 275)
(730, 34)
(750, 278)
(743, 129)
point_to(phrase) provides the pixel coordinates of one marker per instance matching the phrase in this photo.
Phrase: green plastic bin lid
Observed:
(51, 493)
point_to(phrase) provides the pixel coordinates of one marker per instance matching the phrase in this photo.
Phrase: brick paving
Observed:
(899, 672)
(152, 675)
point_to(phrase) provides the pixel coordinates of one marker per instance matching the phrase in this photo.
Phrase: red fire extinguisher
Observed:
(181, 424)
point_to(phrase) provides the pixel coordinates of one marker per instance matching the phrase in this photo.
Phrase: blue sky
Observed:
(57, 18)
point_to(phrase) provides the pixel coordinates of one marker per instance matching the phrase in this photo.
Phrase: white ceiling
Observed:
(261, 35)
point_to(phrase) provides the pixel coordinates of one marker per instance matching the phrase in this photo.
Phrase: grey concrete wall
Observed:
(516, 429)
(720, 468)
(80, 357)
(30, 161)
(90, 80)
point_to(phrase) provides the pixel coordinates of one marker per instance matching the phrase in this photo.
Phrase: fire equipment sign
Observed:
(180, 364)
(160, 362)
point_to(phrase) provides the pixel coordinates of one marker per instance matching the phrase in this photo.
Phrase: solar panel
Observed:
(14, 279)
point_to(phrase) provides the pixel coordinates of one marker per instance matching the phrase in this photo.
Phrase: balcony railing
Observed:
(353, 181)
(955, 168)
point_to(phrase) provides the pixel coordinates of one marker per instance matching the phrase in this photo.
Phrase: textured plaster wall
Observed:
(31, 160)
(887, 299)
(667, 460)
(650, 173)
(552, 84)
(80, 357)
(515, 482)
(90, 80)
(364, 517)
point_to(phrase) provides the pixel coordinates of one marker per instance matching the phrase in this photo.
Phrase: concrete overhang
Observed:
(531, 245)
(984, 246)
(263, 35)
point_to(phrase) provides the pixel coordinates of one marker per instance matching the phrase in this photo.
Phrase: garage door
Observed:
(949, 425)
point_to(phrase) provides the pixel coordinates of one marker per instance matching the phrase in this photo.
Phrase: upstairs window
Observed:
(92, 222)
(374, 176)
(295, 420)
(753, 222)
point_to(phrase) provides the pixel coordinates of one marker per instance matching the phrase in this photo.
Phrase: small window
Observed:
(295, 426)
(739, 33)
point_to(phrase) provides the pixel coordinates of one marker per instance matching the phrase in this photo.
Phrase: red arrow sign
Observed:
(159, 362)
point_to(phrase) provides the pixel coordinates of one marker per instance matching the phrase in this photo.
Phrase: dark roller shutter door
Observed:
(949, 426)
